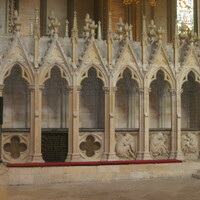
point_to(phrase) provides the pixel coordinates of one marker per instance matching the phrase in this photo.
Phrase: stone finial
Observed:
(183, 33)
(160, 33)
(37, 24)
(53, 26)
(152, 31)
(75, 26)
(86, 28)
(120, 25)
(131, 31)
(92, 27)
(56, 25)
(196, 39)
(110, 41)
(67, 29)
(144, 43)
(192, 37)
(16, 23)
(144, 28)
(99, 31)
(110, 31)
(51, 21)
(176, 37)
(31, 30)
(127, 30)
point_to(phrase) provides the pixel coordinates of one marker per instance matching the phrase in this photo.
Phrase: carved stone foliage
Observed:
(125, 146)
(15, 147)
(189, 142)
(158, 146)
(91, 146)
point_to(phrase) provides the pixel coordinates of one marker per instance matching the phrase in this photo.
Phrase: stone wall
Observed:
(26, 11)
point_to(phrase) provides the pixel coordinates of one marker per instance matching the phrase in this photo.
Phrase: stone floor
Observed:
(151, 189)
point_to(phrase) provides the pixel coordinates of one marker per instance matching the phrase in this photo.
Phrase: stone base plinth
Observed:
(66, 174)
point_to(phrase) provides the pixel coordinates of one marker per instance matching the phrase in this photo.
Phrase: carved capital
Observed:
(179, 91)
(173, 92)
(1, 87)
(146, 90)
(31, 87)
(41, 87)
(79, 88)
(109, 89)
(106, 90)
(140, 90)
(113, 89)
(70, 88)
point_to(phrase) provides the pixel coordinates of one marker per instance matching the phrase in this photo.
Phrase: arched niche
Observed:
(160, 103)
(92, 102)
(55, 101)
(16, 100)
(55, 118)
(190, 99)
(127, 102)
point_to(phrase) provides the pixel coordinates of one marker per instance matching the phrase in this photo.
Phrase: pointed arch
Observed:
(16, 99)
(101, 74)
(26, 72)
(134, 75)
(184, 77)
(45, 73)
(167, 77)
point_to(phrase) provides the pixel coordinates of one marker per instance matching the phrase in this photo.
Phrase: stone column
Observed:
(141, 124)
(112, 153)
(173, 123)
(179, 153)
(70, 124)
(1, 145)
(106, 126)
(146, 155)
(74, 116)
(109, 135)
(35, 154)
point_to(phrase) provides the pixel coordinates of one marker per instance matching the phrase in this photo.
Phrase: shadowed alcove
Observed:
(16, 95)
(190, 99)
(159, 103)
(55, 118)
(127, 102)
(92, 102)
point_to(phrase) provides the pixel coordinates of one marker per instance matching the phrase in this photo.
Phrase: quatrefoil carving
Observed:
(90, 146)
(15, 147)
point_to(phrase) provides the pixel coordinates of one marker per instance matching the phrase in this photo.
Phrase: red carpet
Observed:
(92, 163)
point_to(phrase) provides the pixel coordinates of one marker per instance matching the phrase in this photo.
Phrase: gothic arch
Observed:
(46, 73)
(100, 74)
(167, 77)
(26, 73)
(184, 77)
(135, 75)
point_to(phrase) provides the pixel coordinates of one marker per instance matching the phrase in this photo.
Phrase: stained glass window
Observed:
(185, 14)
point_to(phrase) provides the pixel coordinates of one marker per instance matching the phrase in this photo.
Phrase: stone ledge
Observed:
(78, 174)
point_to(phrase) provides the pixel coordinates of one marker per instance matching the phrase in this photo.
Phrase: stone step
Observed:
(197, 175)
